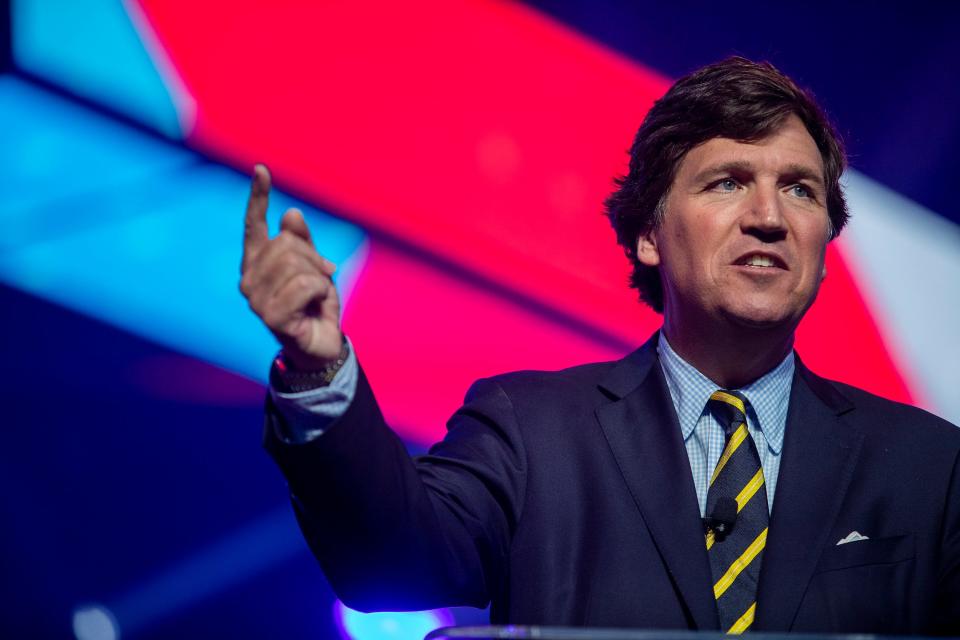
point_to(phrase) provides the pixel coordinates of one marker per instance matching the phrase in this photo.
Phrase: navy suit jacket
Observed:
(566, 498)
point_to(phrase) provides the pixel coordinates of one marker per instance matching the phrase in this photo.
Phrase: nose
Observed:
(764, 215)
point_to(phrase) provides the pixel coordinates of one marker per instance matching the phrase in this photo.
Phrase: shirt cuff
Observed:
(307, 414)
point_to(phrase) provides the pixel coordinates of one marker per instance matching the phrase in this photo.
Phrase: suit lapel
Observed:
(819, 456)
(642, 430)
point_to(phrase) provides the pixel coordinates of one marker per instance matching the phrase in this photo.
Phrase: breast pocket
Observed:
(861, 587)
(867, 552)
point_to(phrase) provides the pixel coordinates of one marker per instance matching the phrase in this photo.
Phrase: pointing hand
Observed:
(288, 284)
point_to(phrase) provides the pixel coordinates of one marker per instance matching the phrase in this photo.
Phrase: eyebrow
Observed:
(803, 172)
(791, 172)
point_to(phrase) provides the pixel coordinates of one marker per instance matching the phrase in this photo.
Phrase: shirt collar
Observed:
(768, 395)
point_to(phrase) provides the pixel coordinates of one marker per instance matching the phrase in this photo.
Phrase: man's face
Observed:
(744, 232)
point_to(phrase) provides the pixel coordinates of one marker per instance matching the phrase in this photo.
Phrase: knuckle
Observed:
(272, 316)
(246, 285)
(269, 317)
(304, 281)
(255, 302)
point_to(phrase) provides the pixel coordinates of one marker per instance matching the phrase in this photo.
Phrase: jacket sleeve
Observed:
(393, 532)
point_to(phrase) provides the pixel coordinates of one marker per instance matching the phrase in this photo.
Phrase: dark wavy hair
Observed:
(734, 98)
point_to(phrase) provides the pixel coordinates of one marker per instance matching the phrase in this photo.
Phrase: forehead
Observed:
(790, 146)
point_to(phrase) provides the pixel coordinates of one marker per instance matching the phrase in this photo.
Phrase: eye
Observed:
(726, 185)
(801, 191)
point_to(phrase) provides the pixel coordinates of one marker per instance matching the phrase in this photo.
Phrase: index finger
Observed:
(255, 222)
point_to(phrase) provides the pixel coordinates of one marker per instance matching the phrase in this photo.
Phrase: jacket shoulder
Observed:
(538, 386)
(876, 413)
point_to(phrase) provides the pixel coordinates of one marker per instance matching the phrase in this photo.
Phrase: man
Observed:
(706, 481)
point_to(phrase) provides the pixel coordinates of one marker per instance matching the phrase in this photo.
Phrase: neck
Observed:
(731, 356)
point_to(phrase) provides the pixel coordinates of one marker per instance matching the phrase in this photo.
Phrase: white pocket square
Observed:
(853, 536)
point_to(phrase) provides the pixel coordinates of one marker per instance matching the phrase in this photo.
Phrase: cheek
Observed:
(681, 242)
(813, 239)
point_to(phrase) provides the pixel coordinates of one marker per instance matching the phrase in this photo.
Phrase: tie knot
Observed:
(730, 407)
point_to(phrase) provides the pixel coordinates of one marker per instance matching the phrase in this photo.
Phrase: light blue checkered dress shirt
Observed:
(703, 435)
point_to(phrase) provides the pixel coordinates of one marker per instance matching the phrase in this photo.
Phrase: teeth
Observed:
(759, 261)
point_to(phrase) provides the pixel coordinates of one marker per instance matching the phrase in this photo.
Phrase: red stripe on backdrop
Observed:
(839, 337)
(479, 131)
(476, 130)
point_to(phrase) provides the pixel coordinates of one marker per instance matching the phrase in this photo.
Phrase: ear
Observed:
(647, 252)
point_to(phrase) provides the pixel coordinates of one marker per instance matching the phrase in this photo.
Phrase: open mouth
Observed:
(761, 261)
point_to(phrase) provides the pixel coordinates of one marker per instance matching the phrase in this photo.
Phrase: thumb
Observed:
(294, 222)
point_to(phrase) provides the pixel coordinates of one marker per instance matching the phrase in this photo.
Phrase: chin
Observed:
(758, 318)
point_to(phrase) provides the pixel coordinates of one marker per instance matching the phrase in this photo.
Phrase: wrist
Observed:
(291, 375)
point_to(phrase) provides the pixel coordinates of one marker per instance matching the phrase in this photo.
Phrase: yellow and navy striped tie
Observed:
(736, 554)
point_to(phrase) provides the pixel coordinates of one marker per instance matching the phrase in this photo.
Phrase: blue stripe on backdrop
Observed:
(93, 48)
(139, 232)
